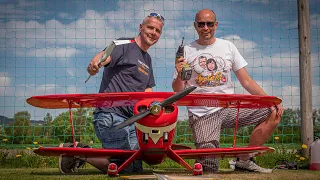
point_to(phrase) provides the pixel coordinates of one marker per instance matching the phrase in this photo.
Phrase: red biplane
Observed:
(155, 118)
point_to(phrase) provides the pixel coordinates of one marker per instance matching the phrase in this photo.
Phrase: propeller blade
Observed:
(177, 96)
(133, 119)
(165, 102)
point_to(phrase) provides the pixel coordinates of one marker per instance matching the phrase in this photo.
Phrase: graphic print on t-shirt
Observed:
(142, 67)
(211, 70)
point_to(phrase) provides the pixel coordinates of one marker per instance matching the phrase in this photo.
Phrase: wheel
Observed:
(112, 170)
(197, 169)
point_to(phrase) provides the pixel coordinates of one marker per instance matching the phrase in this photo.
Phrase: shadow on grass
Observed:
(89, 171)
(56, 172)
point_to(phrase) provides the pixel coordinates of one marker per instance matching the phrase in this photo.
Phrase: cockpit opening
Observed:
(155, 131)
(142, 108)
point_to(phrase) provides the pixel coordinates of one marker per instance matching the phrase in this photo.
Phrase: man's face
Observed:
(206, 25)
(211, 66)
(151, 31)
(203, 62)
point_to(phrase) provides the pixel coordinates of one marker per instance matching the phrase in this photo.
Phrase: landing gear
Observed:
(145, 137)
(112, 170)
(165, 137)
(197, 169)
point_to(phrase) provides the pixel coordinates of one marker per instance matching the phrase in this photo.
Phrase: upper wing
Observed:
(130, 98)
(223, 152)
(87, 152)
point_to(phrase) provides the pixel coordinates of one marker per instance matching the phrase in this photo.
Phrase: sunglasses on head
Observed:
(157, 16)
(202, 24)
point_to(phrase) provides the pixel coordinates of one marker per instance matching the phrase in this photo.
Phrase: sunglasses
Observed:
(158, 16)
(202, 24)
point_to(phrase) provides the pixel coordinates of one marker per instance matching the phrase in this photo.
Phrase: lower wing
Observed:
(86, 152)
(223, 152)
(179, 146)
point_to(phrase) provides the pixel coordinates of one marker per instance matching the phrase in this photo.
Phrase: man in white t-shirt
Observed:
(206, 122)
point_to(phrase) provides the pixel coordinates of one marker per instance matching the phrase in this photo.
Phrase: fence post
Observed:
(305, 74)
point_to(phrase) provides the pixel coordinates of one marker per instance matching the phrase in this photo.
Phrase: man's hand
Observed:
(279, 110)
(93, 67)
(180, 63)
(178, 84)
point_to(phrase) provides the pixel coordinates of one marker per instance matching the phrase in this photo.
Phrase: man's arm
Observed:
(148, 90)
(178, 84)
(248, 83)
(93, 67)
(253, 88)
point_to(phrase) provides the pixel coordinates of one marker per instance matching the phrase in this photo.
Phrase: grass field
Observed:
(90, 173)
(17, 164)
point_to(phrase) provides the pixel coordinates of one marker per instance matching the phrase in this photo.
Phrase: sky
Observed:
(46, 45)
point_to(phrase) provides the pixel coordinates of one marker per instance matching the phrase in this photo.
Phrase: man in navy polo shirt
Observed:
(127, 69)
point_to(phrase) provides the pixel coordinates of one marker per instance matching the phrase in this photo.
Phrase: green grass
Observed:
(30, 160)
(90, 173)
(49, 173)
(32, 166)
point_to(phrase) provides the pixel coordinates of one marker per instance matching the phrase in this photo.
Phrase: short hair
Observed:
(148, 17)
(202, 57)
(214, 61)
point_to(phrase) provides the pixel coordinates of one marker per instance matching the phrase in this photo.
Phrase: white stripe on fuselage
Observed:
(155, 136)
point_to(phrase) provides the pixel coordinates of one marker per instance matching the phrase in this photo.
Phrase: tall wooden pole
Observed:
(305, 74)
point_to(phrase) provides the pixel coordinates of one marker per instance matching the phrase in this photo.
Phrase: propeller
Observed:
(165, 102)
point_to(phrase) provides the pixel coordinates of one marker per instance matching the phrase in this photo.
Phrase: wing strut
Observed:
(70, 102)
(236, 126)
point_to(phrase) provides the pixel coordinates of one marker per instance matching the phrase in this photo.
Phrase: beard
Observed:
(207, 36)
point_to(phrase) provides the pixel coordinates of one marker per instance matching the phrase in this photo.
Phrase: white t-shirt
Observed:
(211, 70)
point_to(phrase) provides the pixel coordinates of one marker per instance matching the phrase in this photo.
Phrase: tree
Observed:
(8, 131)
(47, 126)
(82, 120)
(21, 126)
(2, 132)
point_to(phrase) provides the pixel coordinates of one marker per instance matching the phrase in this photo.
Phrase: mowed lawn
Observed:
(91, 173)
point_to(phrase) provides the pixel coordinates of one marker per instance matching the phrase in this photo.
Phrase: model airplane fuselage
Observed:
(155, 132)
